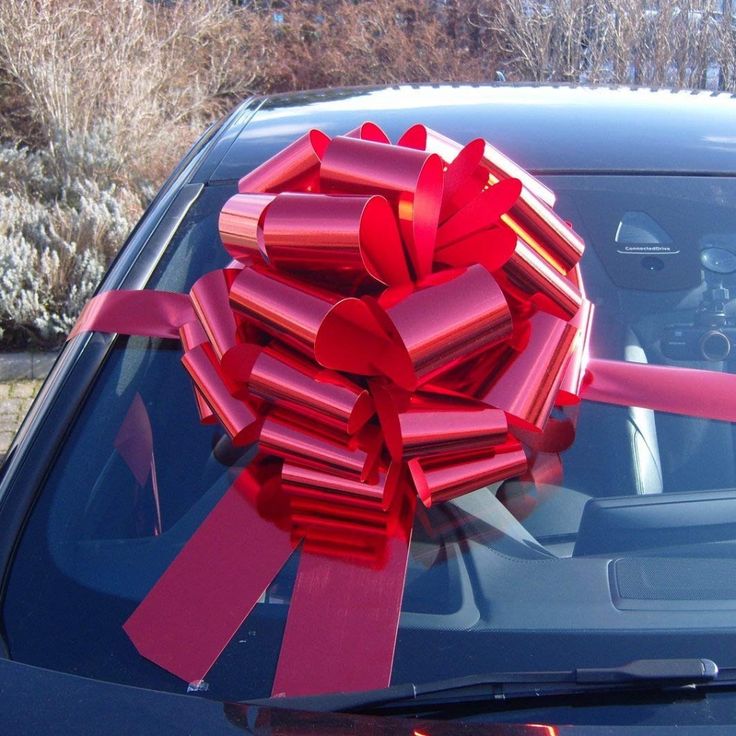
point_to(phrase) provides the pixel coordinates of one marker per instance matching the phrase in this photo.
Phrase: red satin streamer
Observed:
(146, 313)
(657, 387)
(696, 393)
(398, 323)
(198, 604)
(351, 620)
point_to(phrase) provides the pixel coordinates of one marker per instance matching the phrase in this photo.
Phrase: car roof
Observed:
(546, 128)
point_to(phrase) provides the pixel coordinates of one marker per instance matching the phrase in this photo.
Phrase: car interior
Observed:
(646, 511)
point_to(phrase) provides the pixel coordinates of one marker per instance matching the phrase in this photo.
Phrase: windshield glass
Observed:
(631, 554)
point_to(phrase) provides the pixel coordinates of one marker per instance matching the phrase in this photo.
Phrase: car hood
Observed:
(584, 129)
(44, 701)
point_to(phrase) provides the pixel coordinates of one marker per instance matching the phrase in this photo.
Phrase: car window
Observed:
(605, 564)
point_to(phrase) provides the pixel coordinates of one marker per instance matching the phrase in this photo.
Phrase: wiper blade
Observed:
(658, 674)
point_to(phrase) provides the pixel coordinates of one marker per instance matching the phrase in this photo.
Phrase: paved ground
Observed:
(21, 376)
(15, 400)
(25, 365)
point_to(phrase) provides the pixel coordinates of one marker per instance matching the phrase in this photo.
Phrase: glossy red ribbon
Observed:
(401, 322)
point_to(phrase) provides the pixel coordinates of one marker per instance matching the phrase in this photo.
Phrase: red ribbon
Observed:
(401, 322)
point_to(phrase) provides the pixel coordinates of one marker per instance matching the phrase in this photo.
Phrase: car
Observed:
(602, 597)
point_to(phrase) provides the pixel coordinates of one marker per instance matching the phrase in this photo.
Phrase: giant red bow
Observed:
(433, 290)
(398, 320)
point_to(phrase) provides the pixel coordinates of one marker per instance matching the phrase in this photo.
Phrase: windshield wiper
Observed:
(641, 674)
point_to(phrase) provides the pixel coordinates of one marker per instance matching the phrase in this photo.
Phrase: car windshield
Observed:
(631, 554)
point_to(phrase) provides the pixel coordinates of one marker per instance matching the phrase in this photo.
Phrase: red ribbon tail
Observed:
(343, 620)
(697, 393)
(147, 313)
(198, 604)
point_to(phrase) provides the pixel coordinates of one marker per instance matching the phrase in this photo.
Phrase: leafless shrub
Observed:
(149, 75)
(382, 42)
(674, 43)
(56, 239)
(726, 47)
(98, 98)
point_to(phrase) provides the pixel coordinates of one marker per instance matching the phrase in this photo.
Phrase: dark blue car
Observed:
(606, 601)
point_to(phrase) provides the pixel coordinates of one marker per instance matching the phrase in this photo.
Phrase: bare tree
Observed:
(664, 42)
